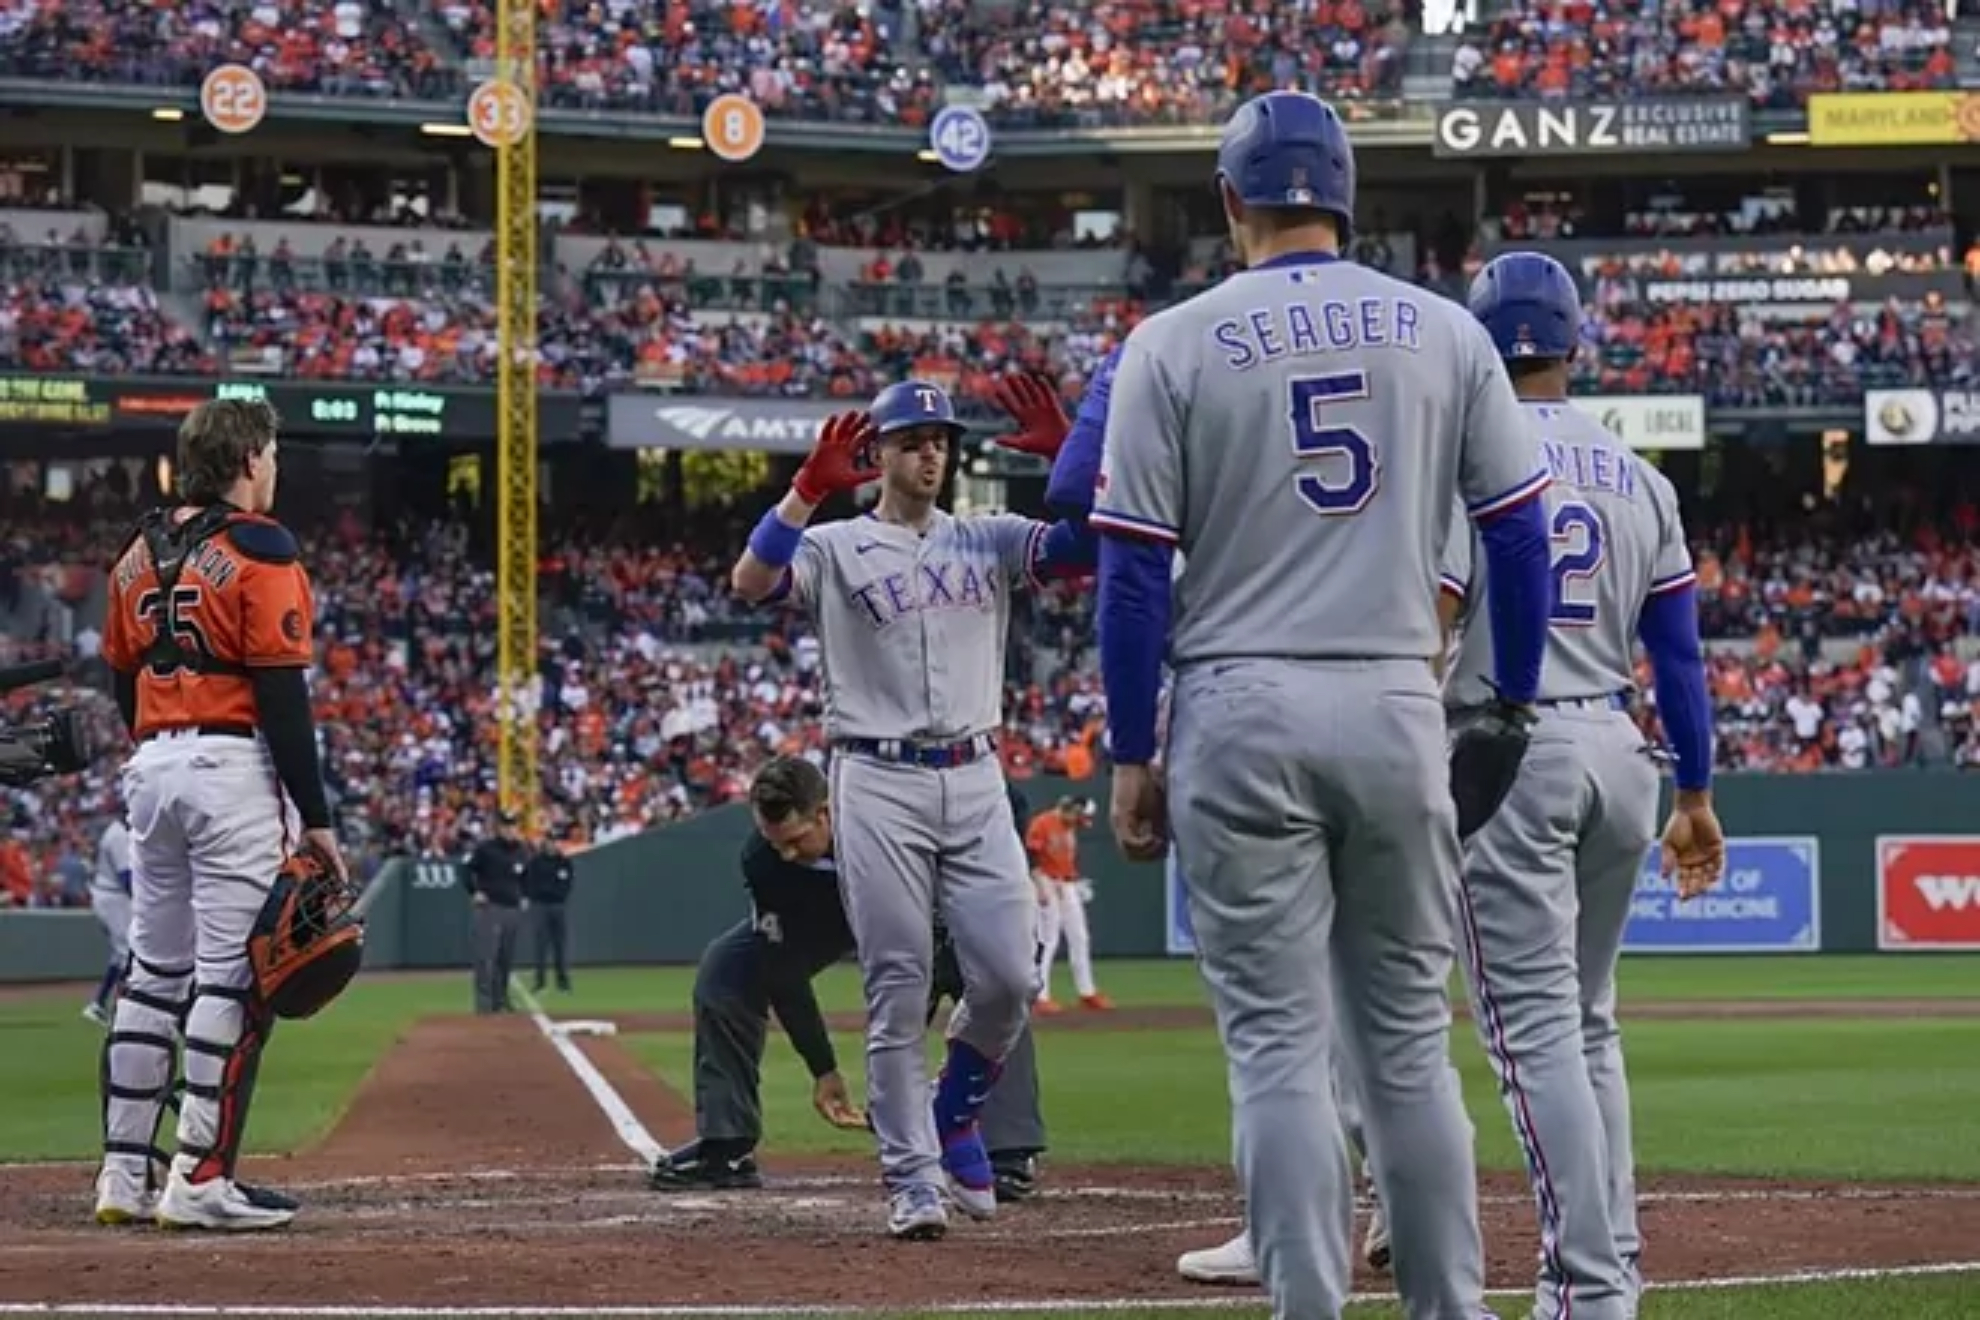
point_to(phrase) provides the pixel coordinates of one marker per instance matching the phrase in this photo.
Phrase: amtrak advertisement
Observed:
(1769, 901)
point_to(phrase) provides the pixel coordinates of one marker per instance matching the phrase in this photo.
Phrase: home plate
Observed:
(582, 1028)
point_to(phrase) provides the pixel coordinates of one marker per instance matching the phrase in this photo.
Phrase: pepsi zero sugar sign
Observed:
(1768, 901)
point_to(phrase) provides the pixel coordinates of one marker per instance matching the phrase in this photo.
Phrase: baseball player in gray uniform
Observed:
(1070, 490)
(1548, 879)
(1300, 433)
(912, 607)
(110, 899)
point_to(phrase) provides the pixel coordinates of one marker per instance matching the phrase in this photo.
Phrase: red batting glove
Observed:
(841, 460)
(1034, 405)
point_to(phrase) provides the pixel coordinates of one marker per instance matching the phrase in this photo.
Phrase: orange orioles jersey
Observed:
(1054, 847)
(242, 602)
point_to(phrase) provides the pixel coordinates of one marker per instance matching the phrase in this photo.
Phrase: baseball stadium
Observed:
(511, 887)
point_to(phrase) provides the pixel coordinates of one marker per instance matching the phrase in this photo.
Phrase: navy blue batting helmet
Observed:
(914, 403)
(1290, 149)
(1527, 301)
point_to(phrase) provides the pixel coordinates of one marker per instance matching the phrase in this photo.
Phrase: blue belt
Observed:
(929, 755)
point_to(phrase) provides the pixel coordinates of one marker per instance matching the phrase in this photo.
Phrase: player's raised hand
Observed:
(841, 461)
(1694, 847)
(1034, 405)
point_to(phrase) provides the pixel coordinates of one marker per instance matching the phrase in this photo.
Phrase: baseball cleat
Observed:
(1047, 1007)
(1098, 1003)
(1231, 1265)
(972, 1182)
(1375, 1247)
(1016, 1177)
(268, 1198)
(915, 1214)
(222, 1205)
(687, 1170)
(123, 1199)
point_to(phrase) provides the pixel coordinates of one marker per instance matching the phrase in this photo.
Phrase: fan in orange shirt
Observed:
(1053, 843)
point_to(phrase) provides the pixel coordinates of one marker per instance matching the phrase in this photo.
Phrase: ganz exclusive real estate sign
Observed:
(1594, 128)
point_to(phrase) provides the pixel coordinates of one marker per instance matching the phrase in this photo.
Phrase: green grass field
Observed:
(1796, 1098)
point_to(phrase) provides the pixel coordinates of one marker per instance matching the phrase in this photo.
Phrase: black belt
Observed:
(928, 755)
(204, 731)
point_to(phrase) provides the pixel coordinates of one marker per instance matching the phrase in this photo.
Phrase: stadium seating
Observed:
(74, 299)
(1776, 54)
(643, 722)
(356, 48)
(1035, 65)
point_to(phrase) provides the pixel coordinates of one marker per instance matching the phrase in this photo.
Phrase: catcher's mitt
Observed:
(308, 939)
(1485, 757)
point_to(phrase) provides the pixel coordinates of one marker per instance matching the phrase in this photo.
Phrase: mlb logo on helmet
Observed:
(1300, 193)
(1523, 345)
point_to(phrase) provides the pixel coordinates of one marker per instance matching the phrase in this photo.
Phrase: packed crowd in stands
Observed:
(74, 303)
(1776, 54)
(648, 316)
(1527, 219)
(1744, 361)
(357, 48)
(1036, 64)
(651, 709)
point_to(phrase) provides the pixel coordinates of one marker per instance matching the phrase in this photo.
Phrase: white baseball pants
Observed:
(210, 827)
(1063, 912)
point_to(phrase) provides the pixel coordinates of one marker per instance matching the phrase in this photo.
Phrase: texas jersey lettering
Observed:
(913, 624)
(928, 587)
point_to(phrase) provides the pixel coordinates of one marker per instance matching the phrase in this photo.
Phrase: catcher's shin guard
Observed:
(134, 1076)
(225, 1033)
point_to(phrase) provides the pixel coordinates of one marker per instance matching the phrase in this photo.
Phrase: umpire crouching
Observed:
(495, 873)
(547, 886)
(766, 963)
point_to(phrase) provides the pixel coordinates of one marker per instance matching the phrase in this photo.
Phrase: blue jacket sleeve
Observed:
(1069, 490)
(1069, 549)
(1669, 629)
(1132, 619)
(1519, 593)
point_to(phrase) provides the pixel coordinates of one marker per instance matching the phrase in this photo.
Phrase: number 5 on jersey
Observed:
(1351, 473)
(1579, 538)
(175, 620)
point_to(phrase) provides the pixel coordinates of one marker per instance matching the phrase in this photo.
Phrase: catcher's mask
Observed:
(308, 940)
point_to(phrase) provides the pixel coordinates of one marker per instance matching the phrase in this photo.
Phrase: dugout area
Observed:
(452, 1161)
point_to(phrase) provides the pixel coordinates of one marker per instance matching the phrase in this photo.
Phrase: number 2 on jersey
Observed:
(1578, 536)
(1351, 483)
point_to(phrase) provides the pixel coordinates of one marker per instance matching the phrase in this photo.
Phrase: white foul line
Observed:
(1234, 1300)
(626, 1123)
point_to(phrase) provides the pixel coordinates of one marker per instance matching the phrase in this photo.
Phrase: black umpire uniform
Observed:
(766, 963)
(495, 872)
(547, 886)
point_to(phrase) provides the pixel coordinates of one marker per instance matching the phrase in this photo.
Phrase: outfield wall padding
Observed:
(659, 897)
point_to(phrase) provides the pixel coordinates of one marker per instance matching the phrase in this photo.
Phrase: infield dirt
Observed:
(473, 1169)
